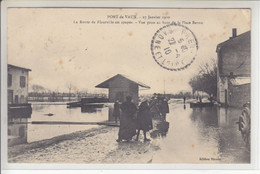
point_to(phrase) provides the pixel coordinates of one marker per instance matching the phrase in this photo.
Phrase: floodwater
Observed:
(200, 135)
(207, 135)
(41, 112)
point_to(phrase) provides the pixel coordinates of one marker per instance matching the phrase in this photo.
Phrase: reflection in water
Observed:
(17, 132)
(61, 113)
(17, 123)
(160, 129)
(90, 109)
(223, 116)
(205, 117)
(40, 107)
(196, 133)
(218, 125)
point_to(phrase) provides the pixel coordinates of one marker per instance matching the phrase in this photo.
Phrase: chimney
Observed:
(234, 32)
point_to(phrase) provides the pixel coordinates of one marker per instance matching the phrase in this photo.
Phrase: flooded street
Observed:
(60, 113)
(207, 135)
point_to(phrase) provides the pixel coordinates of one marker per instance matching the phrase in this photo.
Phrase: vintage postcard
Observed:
(121, 85)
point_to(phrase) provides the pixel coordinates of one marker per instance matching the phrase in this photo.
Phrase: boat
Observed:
(201, 104)
(49, 114)
(74, 104)
(89, 102)
(93, 105)
(94, 100)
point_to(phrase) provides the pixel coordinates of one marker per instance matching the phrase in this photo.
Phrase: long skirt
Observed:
(144, 121)
(127, 128)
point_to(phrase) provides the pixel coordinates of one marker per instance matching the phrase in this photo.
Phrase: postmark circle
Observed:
(174, 47)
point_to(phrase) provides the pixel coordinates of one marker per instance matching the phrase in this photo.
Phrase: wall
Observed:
(222, 86)
(234, 59)
(120, 87)
(17, 90)
(239, 95)
(235, 56)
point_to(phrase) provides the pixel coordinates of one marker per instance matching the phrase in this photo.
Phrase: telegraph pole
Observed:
(164, 87)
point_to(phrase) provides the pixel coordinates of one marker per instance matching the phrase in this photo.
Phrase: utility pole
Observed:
(70, 87)
(164, 87)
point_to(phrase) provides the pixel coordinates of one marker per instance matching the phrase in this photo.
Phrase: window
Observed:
(22, 99)
(9, 80)
(22, 81)
(16, 99)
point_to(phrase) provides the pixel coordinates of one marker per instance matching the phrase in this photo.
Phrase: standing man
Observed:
(164, 109)
(116, 112)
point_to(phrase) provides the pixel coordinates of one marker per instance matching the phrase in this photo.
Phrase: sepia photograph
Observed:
(96, 85)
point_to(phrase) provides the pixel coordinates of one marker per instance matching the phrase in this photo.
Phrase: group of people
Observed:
(133, 119)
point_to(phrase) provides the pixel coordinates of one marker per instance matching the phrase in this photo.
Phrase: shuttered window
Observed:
(9, 80)
(22, 81)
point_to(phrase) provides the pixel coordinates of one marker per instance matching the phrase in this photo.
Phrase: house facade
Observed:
(234, 70)
(19, 110)
(17, 84)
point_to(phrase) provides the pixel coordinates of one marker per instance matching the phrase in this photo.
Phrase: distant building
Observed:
(121, 86)
(234, 70)
(18, 108)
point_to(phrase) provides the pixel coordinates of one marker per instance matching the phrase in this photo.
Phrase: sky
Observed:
(60, 51)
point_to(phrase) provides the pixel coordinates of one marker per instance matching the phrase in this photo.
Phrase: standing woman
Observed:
(127, 127)
(144, 120)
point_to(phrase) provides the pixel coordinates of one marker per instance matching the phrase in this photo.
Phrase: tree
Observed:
(37, 88)
(206, 79)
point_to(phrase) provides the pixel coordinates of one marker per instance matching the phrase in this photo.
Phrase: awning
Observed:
(240, 81)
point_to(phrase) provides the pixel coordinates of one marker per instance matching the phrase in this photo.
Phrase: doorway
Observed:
(10, 96)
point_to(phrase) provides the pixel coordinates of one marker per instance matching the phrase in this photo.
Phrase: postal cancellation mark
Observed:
(174, 47)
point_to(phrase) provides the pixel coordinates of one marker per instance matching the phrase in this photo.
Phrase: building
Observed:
(19, 110)
(234, 70)
(17, 84)
(121, 86)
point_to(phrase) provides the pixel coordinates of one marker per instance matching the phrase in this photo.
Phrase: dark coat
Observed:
(116, 112)
(127, 127)
(164, 108)
(144, 118)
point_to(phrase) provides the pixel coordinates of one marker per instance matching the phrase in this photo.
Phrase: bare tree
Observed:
(206, 79)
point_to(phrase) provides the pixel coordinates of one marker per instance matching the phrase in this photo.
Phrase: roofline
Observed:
(230, 39)
(9, 65)
(138, 83)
